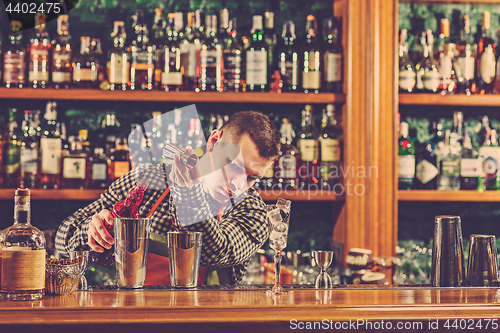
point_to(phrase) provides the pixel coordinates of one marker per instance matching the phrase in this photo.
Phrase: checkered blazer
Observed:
(230, 242)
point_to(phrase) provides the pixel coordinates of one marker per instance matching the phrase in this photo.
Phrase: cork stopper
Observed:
(23, 192)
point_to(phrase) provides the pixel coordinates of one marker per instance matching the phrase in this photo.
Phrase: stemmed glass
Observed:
(83, 259)
(323, 259)
(278, 218)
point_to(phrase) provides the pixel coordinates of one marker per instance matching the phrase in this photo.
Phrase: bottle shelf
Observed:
(162, 96)
(73, 194)
(449, 2)
(452, 100)
(463, 195)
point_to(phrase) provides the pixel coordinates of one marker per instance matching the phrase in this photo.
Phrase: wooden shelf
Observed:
(447, 2)
(161, 96)
(464, 196)
(457, 100)
(70, 194)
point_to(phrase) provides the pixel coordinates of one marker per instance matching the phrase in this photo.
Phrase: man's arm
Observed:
(72, 233)
(233, 240)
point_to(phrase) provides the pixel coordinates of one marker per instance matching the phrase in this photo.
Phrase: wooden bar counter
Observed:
(253, 311)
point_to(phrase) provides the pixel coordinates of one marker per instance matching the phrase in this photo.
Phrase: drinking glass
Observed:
(83, 259)
(278, 218)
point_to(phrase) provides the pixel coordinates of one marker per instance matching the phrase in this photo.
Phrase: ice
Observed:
(280, 227)
(274, 235)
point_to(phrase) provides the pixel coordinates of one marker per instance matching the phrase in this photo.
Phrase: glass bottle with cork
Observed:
(256, 58)
(23, 253)
(39, 48)
(210, 67)
(288, 58)
(406, 158)
(75, 167)
(158, 41)
(466, 60)
(62, 54)
(233, 56)
(333, 56)
(486, 58)
(407, 76)
(142, 64)
(99, 169)
(120, 159)
(171, 72)
(427, 69)
(12, 152)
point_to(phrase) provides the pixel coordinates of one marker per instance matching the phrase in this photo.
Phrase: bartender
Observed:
(216, 197)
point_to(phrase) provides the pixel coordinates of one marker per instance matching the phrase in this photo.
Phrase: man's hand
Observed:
(181, 174)
(98, 235)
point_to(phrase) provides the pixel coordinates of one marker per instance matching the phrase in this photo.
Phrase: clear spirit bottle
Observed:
(427, 69)
(407, 75)
(486, 58)
(23, 253)
(449, 164)
(466, 60)
(489, 156)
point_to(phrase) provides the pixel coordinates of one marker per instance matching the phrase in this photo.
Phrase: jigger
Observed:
(323, 259)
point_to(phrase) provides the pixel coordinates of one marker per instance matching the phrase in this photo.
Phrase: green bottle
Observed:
(406, 159)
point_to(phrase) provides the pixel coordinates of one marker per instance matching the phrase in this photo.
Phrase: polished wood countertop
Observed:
(246, 310)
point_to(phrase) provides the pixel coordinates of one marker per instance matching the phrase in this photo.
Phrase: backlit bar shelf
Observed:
(179, 96)
(463, 195)
(453, 100)
(89, 195)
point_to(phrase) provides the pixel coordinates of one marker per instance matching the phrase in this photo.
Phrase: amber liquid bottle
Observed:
(120, 159)
(62, 53)
(143, 55)
(14, 73)
(50, 150)
(75, 167)
(309, 152)
(38, 55)
(85, 67)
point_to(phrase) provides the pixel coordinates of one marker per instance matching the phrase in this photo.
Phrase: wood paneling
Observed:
(448, 2)
(243, 311)
(180, 96)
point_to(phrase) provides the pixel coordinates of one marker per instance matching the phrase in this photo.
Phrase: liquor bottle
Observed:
(426, 168)
(196, 139)
(483, 133)
(407, 76)
(38, 54)
(85, 67)
(134, 140)
(332, 73)
(256, 58)
(416, 48)
(109, 132)
(470, 167)
(427, 68)
(270, 41)
(23, 253)
(466, 60)
(158, 41)
(29, 153)
(486, 59)
(99, 166)
(448, 164)
(50, 150)
(447, 70)
(331, 139)
(190, 46)
(489, 156)
(119, 59)
(210, 66)
(309, 151)
(12, 152)
(171, 77)
(312, 62)
(288, 58)
(125, 208)
(233, 59)
(286, 166)
(14, 65)
(457, 131)
(444, 38)
(157, 138)
(75, 167)
(1, 71)
(120, 159)
(96, 52)
(143, 56)
(62, 54)
(406, 158)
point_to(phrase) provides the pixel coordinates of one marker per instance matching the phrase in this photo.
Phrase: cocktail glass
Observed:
(278, 218)
(83, 259)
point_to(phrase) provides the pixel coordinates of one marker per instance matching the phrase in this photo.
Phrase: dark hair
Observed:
(259, 127)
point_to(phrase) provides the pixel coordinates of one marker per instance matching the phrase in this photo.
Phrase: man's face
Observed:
(242, 165)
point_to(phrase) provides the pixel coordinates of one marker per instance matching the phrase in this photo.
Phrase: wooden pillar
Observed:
(369, 35)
